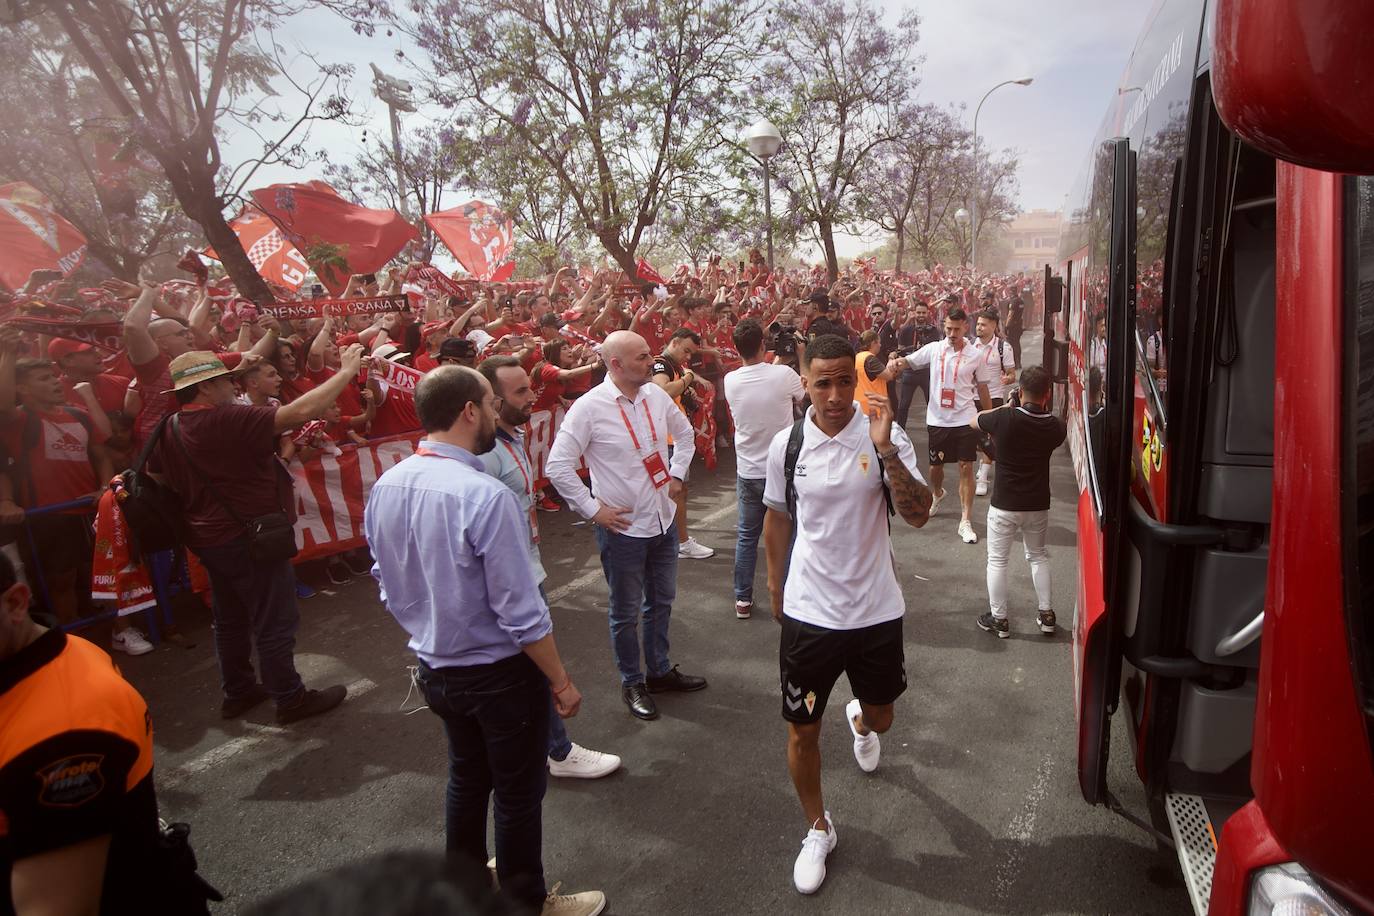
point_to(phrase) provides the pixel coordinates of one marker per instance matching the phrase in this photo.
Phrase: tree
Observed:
(894, 185)
(842, 77)
(74, 155)
(173, 71)
(994, 182)
(938, 197)
(618, 101)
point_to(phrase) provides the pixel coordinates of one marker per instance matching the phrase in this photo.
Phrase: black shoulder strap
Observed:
(151, 443)
(887, 494)
(789, 466)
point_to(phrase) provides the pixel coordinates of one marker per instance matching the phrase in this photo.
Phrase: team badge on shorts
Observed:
(811, 698)
(863, 462)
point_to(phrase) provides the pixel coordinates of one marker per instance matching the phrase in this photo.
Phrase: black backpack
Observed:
(789, 470)
(152, 510)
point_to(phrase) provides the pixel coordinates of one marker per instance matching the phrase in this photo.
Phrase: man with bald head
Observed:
(621, 428)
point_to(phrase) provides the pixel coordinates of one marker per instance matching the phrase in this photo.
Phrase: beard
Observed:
(486, 440)
(512, 417)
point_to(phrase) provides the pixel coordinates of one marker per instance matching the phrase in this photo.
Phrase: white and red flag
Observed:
(33, 237)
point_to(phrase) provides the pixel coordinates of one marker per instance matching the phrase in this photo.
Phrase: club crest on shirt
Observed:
(71, 781)
(863, 462)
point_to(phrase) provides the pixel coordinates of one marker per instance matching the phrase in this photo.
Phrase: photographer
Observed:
(672, 375)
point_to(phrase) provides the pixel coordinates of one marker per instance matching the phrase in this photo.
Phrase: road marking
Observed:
(257, 734)
(1020, 830)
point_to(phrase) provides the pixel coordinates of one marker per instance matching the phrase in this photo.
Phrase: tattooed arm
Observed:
(910, 495)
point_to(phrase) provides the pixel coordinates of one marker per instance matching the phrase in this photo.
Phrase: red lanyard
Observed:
(957, 361)
(648, 415)
(529, 488)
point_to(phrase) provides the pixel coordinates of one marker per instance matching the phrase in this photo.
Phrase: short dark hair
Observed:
(829, 346)
(26, 367)
(687, 334)
(748, 338)
(867, 337)
(991, 315)
(443, 394)
(1035, 381)
(956, 314)
(489, 367)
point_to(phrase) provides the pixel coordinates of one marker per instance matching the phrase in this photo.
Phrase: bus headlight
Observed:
(1288, 890)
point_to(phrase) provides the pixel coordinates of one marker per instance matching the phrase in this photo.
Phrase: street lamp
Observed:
(395, 93)
(973, 257)
(764, 141)
(961, 216)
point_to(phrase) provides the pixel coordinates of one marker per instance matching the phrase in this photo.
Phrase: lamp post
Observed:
(395, 93)
(973, 257)
(961, 216)
(764, 141)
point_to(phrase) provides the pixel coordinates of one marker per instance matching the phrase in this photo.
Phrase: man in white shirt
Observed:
(1001, 360)
(761, 397)
(621, 429)
(959, 379)
(841, 611)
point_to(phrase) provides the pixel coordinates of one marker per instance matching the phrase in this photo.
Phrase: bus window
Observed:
(1359, 529)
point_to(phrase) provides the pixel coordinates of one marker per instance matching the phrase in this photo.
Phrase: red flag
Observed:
(480, 236)
(33, 237)
(275, 259)
(312, 214)
(648, 274)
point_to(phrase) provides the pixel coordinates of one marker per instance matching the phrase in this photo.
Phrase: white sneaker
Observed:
(867, 748)
(809, 870)
(691, 550)
(584, 763)
(981, 488)
(130, 641)
(966, 532)
(935, 497)
(587, 903)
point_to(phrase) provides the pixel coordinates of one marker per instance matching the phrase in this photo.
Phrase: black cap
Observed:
(821, 299)
(457, 348)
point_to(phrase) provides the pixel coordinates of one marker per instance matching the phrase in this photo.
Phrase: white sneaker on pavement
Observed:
(131, 641)
(867, 748)
(809, 870)
(587, 903)
(966, 532)
(935, 497)
(584, 763)
(981, 488)
(691, 550)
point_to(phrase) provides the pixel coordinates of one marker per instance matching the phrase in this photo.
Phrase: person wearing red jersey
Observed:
(80, 362)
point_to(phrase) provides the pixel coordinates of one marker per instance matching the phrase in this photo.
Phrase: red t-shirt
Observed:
(350, 400)
(424, 362)
(109, 392)
(396, 414)
(550, 389)
(154, 380)
(295, 387)
(58, 465)
(233, 461)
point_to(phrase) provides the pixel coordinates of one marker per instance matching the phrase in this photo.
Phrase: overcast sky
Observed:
(1075, 50)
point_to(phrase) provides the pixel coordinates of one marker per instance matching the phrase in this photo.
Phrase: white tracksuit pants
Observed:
(1002, 530)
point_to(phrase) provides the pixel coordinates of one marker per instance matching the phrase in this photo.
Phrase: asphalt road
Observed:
(974, 809)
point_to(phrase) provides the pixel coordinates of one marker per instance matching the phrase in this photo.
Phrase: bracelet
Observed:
(566, 685)
(889, 455)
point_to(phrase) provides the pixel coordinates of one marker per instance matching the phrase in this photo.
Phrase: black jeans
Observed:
(907, 383)
(254, 605)
(497, 719)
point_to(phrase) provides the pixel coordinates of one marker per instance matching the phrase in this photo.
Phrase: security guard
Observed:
(79, 829)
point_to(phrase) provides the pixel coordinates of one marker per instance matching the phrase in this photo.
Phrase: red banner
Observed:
(480, 236)
(33, 237)
(276, 259)
(396, 375)
(331, 490)
(318, 308)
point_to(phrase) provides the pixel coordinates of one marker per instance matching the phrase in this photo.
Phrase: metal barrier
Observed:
(161, 567)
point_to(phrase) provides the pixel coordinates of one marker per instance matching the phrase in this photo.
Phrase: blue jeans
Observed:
(254, 605)
(642, 576)
(560, 746)
(749, 493)
(495, 718)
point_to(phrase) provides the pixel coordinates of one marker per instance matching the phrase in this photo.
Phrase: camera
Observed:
(782, 340)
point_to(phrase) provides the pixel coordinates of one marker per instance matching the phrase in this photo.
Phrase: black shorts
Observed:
(811, 659)
(952, 443)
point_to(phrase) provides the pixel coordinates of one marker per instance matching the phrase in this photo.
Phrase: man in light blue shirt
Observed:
(452, 561)
(509, 463)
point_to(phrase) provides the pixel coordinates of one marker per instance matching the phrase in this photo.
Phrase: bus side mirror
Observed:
(1054, 295)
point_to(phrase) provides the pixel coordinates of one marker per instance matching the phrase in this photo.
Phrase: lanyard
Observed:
(957, 361)
(529, 488)
(648, 415)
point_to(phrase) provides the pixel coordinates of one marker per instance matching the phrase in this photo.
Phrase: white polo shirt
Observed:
(843, 573)
(961, 370)
(998, 362)
(760, 398)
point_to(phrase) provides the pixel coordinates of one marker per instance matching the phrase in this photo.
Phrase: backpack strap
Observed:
(789, 465)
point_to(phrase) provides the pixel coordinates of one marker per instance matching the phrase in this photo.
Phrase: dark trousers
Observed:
(254, 606)
(907, 383)
(497, 719)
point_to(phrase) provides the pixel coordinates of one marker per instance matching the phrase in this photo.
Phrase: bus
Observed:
(1210, 322)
